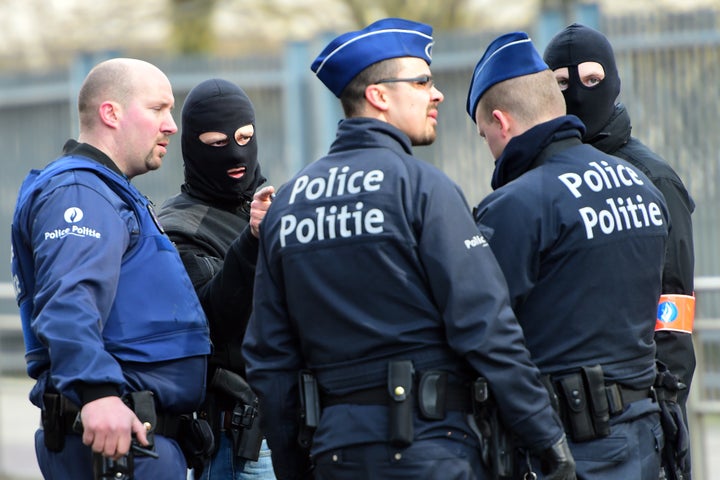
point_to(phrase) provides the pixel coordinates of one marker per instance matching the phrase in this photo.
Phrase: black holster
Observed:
(498, 447)
(57, 418)
(244, 422)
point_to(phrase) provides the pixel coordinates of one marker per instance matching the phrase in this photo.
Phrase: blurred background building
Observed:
(668, 54)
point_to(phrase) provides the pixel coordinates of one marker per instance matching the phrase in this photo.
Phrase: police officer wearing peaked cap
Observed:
(580, 237)
(367, 279)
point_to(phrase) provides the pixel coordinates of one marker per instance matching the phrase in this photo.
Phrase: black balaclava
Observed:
(594, 105)
(217, 105)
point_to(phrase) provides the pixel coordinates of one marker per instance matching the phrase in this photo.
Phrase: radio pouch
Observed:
(399, 384)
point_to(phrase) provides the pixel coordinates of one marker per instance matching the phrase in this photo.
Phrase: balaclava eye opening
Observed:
(217, 105)
(593, 105)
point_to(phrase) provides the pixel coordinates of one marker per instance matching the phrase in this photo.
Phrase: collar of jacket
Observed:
(73, 147)
(363, 132)
(615, 133)
(521, 152)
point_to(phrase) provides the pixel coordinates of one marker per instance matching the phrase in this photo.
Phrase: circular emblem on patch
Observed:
(667, 312)
(73, 215)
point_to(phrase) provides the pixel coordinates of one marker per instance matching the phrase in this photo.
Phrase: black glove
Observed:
(557, 461)
(675, 455)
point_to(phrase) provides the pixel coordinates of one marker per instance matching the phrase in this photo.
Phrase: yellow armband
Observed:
(675, 313)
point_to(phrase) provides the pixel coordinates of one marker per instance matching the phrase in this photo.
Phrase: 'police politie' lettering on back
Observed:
(333, 221)
(621, 213)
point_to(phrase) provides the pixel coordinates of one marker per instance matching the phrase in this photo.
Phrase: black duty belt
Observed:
(619, 396)
(168, 425)
(457, 398)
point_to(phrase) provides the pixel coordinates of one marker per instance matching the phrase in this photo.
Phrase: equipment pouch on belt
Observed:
(498, 451)
(576, 413)
(196, 441)
(309, 407)
(400, 384)
(432, 394)
(599, 408)
(583, 403)
(143, 404)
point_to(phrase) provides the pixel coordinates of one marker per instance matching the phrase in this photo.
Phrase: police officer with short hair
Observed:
(580, 236)
(376, 294)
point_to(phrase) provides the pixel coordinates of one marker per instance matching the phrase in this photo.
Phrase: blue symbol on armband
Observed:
(667, 312)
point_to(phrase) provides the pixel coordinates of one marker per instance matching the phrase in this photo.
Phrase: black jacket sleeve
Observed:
(678, 272)
(227, 297)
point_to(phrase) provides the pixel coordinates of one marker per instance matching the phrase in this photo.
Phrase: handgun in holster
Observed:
(498, 449)
(400, 379)
(309, 407)
(244, 422)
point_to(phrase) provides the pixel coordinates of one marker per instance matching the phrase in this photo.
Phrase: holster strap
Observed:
(241, 417)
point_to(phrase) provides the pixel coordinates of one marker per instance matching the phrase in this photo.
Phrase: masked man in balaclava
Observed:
(584, 65)
(214, 224)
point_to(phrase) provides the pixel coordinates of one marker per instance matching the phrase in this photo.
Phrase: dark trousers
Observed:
(75, 460)
(631, 451)
(432, 459)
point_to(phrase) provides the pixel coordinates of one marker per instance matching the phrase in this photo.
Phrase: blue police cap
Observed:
(508, 56)
(352, 52)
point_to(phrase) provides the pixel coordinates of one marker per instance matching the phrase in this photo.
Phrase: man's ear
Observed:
(377, 96)
(110, 113)
(505, 120)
